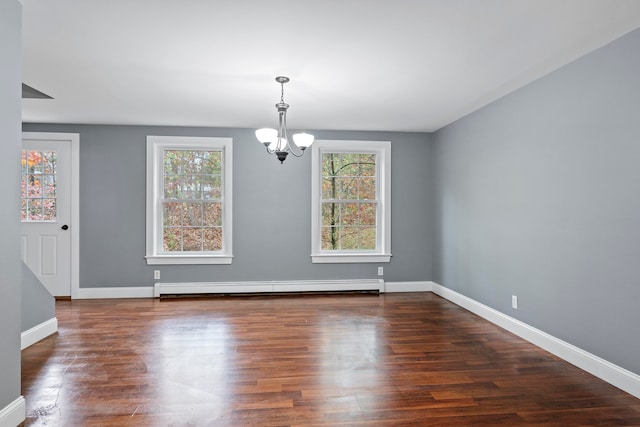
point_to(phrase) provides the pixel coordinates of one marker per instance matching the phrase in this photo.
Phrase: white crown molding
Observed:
(38, 332)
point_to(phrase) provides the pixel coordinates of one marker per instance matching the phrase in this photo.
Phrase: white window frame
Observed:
(156, 145)
(382, 253)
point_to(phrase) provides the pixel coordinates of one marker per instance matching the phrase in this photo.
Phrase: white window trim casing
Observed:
(382, 253)
(155, 147)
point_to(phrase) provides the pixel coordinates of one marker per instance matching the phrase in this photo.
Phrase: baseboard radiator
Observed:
(273, 287)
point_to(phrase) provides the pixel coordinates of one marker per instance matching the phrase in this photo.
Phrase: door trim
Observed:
(74, 140)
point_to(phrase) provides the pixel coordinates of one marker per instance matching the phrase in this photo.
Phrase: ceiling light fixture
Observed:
(276, 141)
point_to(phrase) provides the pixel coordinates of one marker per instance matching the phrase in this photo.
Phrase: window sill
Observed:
(343, 258)
(188, 259)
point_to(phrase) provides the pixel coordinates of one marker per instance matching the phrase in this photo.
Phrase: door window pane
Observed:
(38, 186)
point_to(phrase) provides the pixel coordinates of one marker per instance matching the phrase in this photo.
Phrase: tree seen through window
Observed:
(192, 202)
(349, 201)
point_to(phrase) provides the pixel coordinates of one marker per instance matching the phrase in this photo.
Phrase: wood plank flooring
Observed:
(315, 360)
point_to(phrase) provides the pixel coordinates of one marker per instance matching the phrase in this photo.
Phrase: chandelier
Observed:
(275, 140)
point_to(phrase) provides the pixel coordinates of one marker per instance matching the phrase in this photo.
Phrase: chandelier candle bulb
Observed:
(275, 140)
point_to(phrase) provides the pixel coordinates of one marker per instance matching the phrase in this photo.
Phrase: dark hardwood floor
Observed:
(315, 360)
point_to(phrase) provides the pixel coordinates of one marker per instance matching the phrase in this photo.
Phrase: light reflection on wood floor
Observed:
(313, 360)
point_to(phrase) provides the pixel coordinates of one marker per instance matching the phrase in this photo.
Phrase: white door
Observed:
(46, 211)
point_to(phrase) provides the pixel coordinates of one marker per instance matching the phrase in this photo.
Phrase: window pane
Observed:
(38, 185)
(340, 188)
(367, 165)
(347, 223)
(212, 187)
(172, 240)
(192, 162)
(49, 209)
(350, 188)
(171, 186)
(328, 188)
(368, 238)
(349, 238)
(349, 214)
(192, 239)
(348, 176)
(368, 213)
(49, 162)
(349, 165)
(172, 214)
(172, 162)
(329, 164)
(34, 210)
(330, 238)
(192, 214)
(23, 210)
(188, 188)
(194, 177)
(367, 189)
(212, 162)
(212, 214)
(213, 239)
(23, 186)
(330, 213)
(49, 182)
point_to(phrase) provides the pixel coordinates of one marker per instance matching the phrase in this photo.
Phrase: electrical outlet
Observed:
(156, 274)
(514, 302)
(380, 271)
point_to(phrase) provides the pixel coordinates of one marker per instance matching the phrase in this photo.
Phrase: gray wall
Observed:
(10, 87)
(38, 305)
(538, 195)
(271, 213)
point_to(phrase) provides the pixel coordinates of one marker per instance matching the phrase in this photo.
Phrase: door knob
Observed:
(65, 227)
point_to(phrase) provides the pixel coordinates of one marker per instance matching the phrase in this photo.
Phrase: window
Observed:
(351, 201)
(38, 186)
(189, 200)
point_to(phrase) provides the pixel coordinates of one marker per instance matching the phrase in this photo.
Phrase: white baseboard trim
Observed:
(38, 332)
(267, 287)
(252, 287)
(407, 287)
(14, 413)
(603, 369)
(115, 292)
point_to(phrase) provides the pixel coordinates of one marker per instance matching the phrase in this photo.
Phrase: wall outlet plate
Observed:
(380, 271)
(514, 302)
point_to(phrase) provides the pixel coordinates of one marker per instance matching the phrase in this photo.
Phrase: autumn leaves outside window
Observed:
(192, 203)
(38, 186)
(189, 200)
(349, 203)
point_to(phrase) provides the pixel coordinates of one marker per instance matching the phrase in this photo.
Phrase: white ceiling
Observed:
(402, 65)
